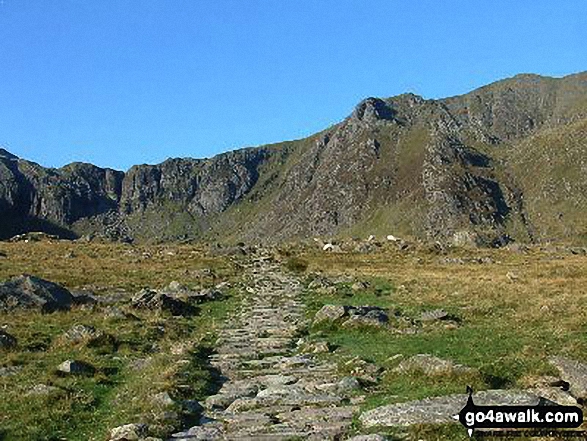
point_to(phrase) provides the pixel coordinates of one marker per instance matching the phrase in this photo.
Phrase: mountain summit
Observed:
(506, 161)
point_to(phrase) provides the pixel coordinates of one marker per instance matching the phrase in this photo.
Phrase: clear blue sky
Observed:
(119, 82)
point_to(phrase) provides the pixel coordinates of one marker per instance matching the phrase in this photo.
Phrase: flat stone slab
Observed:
(439, 410)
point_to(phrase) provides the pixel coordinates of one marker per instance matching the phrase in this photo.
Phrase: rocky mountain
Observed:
(503, 162)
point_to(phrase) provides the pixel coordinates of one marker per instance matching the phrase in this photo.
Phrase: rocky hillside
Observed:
(503, 162)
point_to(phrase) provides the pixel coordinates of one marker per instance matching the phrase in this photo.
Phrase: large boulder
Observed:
(34, 293)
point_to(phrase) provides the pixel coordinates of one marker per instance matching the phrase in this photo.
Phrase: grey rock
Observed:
(87, 335)
(155, 301)
(372, 437)
(129, 432)
(575, 373)
(439, 410)
(366, 316)
(76, 367)
(330, 313)
(435, 314)
(44, 390)
(430, 365)
(32, 292)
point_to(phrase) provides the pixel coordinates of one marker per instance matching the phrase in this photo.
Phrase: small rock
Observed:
(43, 389)
(431, 365)
(366, 316)
(76, 367)
(372, 437)
(163, 399)
(129, 432)
(330, 313)
(360, 286)
(436, 314)
(149, 299)
(87, 335)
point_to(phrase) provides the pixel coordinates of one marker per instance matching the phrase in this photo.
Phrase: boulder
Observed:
(76, 367)
(573, 372)
(34, 293)
(7, 341)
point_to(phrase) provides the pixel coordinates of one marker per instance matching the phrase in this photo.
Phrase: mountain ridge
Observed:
(437, 169)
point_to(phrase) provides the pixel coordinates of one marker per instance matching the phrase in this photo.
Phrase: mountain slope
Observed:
(497, 163)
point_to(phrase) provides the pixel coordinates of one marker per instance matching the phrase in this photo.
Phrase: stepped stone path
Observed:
(270, 390)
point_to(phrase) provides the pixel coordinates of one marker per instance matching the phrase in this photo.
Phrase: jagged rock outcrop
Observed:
(441, 169)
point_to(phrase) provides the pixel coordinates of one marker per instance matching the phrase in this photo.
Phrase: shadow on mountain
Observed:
(11, 225)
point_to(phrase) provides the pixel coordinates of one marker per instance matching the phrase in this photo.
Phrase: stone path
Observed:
(271, 391)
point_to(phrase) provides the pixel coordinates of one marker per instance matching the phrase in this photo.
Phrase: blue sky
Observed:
(121, 82)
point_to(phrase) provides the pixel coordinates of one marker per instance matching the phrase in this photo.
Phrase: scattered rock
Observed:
(129, 432)
(432, 366)
(9, 371)
(360, 286)
(32, 292)
(34, 236)
(434, 315)
(7, 341)
(149, 299)
(163, 399)
(372, 437)
(76, 367)
(43, 390)
(366, 316)
(330, 313)
(88, 336)
(574, 373)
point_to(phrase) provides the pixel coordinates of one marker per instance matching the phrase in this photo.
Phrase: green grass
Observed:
(86, 408)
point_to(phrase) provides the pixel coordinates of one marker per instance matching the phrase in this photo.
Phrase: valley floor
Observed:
(258, 359)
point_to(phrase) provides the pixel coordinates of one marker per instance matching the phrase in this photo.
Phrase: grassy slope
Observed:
(551, 168)
(510, 324)
(87, 407)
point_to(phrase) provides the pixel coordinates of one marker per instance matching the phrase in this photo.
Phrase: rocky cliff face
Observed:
(405, 165)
